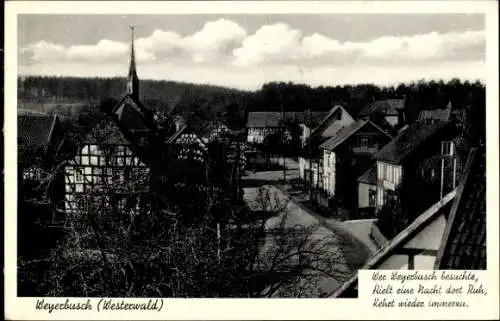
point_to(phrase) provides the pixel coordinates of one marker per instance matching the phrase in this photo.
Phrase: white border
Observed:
(199, 309)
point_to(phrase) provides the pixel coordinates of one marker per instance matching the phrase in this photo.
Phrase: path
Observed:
(351, 252)
(358, 230)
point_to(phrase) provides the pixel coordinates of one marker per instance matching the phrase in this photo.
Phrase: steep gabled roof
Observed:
(128, 106)
(130, 118)
(327, 128)
(389, 107)
(463, 246)
(35, 129)
(398, 241)
(346, 132)
(182, 130)
(408, 141)
(314, 119)
(324, 122)
(177, 134)
(34, 132)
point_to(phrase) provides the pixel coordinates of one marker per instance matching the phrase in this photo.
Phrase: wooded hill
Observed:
(72, 90)
(210, 102)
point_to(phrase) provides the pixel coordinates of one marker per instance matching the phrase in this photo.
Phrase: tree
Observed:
(390, 219)
(234, 116)
(142, 251)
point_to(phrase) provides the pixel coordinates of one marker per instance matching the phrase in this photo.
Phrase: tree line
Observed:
(273, 96)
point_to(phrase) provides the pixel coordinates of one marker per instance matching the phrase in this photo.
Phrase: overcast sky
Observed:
(245, 51)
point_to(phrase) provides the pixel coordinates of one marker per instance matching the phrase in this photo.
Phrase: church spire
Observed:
(133, 80)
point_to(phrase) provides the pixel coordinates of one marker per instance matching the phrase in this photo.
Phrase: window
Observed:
(78, 176)
(117, 176)
(447, 148)
(364, 141)
(372, 196)
(127, 175)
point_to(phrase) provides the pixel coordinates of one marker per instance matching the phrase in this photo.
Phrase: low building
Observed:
(391, 110)
(346, 155)
(430, 115)
(260, 124)
(449, 235)
(310, 162)
(40, 137)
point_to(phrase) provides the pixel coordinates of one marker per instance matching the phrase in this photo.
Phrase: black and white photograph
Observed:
(247, 155)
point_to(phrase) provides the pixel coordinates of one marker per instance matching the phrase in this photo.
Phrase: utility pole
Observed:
(442, 177)
(218, 242)
(309, 121)
(284, 169)
(239, 164)
(282, 138)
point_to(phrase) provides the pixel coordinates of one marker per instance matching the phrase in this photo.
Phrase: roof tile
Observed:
(388, 107)
(272, 119)
(408, 140)
(464, 243)
(435, 114)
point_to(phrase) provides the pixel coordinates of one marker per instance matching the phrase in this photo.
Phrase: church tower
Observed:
(133, 80)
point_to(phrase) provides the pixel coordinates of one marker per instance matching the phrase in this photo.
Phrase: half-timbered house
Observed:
(310, 161)
(346, 155)
(105, 166)
(126, 153)
(423, 156)
(40, 137)
(260, 124)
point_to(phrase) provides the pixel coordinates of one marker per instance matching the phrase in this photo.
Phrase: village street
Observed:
(350, 252)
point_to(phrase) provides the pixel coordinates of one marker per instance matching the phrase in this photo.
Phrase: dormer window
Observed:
(447, 148)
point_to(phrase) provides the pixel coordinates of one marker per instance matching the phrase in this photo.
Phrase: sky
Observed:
(246, 51)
